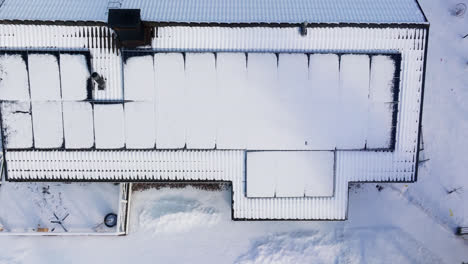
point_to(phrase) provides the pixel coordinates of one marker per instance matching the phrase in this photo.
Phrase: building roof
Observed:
(252, 101)
(221, 11)
(325, 101)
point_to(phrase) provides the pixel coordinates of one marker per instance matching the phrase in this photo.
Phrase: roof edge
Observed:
(213, 24)
(422, 11)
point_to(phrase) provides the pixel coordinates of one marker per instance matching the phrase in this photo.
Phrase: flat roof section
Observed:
(290, 174)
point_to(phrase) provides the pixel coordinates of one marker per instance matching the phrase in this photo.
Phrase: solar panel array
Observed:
(253, 101)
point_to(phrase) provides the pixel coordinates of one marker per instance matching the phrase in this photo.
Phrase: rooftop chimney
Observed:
(131, 31)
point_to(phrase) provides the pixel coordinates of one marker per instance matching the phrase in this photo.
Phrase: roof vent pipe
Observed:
(304, 29)
(99, 80)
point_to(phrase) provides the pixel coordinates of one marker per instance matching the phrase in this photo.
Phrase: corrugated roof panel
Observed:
(224, 11)
(124, 165)
(277, 11)
(69, 10)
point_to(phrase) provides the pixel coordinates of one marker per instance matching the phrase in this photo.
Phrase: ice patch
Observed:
(174, 214)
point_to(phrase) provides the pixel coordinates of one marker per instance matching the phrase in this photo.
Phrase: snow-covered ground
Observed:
(402, 223)
(190, 225)
(27, 207)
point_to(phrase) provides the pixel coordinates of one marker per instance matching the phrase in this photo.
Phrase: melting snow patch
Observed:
(17, 124)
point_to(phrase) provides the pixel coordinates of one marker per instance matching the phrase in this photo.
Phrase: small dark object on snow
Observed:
(459, 10)
(60, 222)
(462, 231)
(423, 161)
(455, 190)
(379, 187)
(45, 190)
(110, 220)
(99, 80)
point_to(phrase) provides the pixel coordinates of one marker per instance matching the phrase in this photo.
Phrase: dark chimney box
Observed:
(130, 30)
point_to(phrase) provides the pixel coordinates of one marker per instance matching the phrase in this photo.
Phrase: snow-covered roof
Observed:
(290, 174)
(252, 101)
(217, 103)
(224, 11)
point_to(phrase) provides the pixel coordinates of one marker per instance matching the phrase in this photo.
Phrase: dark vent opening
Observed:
(131, 31)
